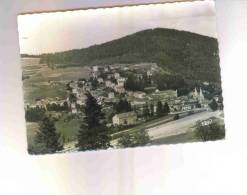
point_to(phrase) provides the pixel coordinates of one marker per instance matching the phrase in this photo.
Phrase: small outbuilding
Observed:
(127, 118)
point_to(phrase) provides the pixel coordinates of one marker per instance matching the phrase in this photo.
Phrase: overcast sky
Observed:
(60, 31)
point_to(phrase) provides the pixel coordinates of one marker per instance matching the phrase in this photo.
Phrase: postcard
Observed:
(121, 77)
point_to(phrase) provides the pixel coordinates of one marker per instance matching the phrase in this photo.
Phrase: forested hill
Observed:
(190, 55)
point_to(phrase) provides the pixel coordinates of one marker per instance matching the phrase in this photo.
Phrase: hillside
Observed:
(189, 55)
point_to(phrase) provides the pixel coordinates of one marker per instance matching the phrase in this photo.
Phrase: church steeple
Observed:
(195, 93)
(201, 95)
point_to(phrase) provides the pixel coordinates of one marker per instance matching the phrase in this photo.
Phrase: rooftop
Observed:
(126, 114)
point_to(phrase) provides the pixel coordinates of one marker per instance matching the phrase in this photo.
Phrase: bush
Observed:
(212, 132)
(213, 105)
(139, 138)
(34, 114)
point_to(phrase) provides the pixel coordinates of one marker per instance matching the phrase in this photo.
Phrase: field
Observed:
(68, 129)
(41, 81)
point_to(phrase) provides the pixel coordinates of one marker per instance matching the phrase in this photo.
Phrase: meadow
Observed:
(42, 81)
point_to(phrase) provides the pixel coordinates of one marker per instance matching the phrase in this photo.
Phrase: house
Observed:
(108, 84)
(73, 108)
(95, 74)
(216, 98)
(139, 94)
(111, 95)
(176, 107)
(189, 105)
(127, 118)
(120, 81)
(106, 69)
(95, 68)
(126, 68)
(75, 90)
(110, 75)
(80, 102)
(149, 73)
(100, 80)
(116, 75)
(119, 89)
(138, 106)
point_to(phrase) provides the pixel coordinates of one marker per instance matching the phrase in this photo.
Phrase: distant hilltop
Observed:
(29, 56)
(189, 55)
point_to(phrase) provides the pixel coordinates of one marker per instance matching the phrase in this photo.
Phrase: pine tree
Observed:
(213, 105)
(151, 109)
(166, 109)
(93, 132)
(146, 112)
(159, 108)
(123, 106)
(47, 139)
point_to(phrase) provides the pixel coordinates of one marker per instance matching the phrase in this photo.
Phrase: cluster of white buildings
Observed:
(110, 87)
(43, 103)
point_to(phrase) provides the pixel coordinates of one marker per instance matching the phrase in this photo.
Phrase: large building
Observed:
(127, 118)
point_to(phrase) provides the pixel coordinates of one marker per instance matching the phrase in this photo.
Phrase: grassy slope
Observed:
(67, 129)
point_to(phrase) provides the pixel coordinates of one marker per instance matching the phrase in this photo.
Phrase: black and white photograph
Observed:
(121, 77)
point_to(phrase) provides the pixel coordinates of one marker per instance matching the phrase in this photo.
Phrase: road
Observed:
(180, 126)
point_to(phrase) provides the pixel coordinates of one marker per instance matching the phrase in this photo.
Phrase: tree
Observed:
(213, 105)
(34, 114)
(151, 109)
(130, 83)
(125, 141)
(47, 140)
(159, 108)
(139, 138)
(94, 82)
(212, 132)
(65, 106)
(146, 112)
(166, 109)
(183, 91)
(93, 132)
(133, 83)
(72, 98)
(122, 106)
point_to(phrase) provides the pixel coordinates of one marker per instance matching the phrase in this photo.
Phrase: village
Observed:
(123, 105)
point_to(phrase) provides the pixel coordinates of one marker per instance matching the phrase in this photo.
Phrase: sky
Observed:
(60, 31)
